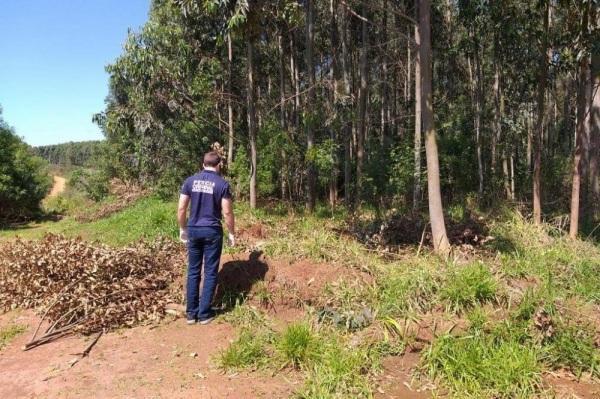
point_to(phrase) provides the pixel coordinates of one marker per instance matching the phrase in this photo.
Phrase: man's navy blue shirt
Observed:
(206, 190)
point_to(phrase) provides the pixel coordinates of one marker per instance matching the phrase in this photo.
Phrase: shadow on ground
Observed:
(237, 277)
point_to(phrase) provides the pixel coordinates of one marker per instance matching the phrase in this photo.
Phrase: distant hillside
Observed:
(69, 154)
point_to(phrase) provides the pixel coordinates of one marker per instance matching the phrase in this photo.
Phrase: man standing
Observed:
(210, 199)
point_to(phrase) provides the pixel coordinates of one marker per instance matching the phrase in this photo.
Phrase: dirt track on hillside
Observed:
(58, 186)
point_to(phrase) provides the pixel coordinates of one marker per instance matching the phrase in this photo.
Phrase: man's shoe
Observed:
(191, 322)
(206, 321)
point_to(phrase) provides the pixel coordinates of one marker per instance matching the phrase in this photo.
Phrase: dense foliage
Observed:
(71, 153)
(319, 99)
(24, 180)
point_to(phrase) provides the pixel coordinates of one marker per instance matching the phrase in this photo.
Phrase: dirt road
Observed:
(58, 186)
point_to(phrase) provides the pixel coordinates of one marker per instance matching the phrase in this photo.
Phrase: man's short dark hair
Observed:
(211, 159)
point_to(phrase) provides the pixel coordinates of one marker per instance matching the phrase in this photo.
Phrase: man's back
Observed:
(206, 189)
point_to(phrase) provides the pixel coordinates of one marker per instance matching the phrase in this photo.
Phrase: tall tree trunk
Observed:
(230, 99)
(362, 109)
(436, 213)
(581, 131)
(539, 129)
(295, 79)
(529, 139)
(252, 122)
(474, 78)
(418, 126)
(347, 120)
(407, 81)
(595, 136)
(578, 155)
(478, 110)
(310, 105)
(282, 115)
(496, 133)
(384, 77)
(335, 77)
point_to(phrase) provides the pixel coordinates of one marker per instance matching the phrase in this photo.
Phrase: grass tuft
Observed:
(480, 366)
(469, 286)
(7, 334)
(573, 347)
(298, 345)
(247, 351)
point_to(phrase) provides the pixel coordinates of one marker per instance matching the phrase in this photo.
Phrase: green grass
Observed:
(341, 372)
(147, 218)
(573, 347)
(298, 345)
(488, 359)
(247, 351)
(468, 286)
(480, 366)
(7, 334)
(407, 290)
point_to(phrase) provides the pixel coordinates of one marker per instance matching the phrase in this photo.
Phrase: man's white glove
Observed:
(183, 235)
(231, 240)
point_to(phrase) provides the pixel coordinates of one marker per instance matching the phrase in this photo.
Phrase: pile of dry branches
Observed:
(84, 287)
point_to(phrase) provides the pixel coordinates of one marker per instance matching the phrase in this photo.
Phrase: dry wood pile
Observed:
(85, 287)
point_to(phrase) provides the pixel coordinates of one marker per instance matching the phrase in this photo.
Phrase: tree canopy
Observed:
(24, 180)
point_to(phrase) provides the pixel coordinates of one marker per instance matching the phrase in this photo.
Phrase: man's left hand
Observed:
(183, 235)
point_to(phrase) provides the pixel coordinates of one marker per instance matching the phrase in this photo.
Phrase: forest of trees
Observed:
(71, 153)
(404, 103)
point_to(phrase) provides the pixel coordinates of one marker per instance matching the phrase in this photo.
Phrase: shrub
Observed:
(94, 184)
(24, 179)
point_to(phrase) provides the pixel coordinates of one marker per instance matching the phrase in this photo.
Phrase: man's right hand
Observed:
(183, 235)
(231, 240)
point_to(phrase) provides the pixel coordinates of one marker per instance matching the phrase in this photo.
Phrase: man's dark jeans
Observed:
(204, 243)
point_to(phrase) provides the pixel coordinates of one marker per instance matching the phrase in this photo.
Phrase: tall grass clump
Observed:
(468, 286)
(407, 290)
(482, 366)
(247, 351)
(298, 345)
(341, 372)
(573, 347)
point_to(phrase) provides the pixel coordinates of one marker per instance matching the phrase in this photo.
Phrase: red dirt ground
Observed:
(173, 360)
(169, 360)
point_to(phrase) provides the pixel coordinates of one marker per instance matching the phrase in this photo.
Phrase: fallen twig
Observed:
(87, 350)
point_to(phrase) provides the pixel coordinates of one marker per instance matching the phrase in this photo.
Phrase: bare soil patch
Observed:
(167, 359)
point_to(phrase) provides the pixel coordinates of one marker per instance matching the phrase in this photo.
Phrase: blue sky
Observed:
(52, 59)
